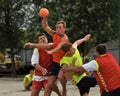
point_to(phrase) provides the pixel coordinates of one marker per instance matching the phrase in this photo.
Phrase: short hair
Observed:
(66, 47)
(101, 48)
(41, 34)
(62, 22)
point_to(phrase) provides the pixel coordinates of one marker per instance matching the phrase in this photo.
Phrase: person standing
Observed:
(59, 37)
(106, 70)
(41, 61)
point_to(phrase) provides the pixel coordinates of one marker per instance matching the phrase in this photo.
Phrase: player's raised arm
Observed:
(46, 27)
(44, 12)
(78, 42)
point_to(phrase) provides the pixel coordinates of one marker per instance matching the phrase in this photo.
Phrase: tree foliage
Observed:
(19, 20)
(97, 17)
(12, 19)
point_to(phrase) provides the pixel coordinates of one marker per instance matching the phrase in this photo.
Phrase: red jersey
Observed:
(108, 74)
(45, 60)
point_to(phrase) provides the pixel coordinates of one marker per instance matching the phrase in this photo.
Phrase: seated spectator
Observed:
(27, 81)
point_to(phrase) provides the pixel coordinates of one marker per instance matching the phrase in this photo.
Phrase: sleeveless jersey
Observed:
(108, 74)
(45, 60)
(58, 55)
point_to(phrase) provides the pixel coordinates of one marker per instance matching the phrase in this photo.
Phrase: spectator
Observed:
(27, 81)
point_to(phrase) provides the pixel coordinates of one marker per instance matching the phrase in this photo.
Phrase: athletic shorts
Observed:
(54, 69)
(85, 84)
(115, 92)
(39, 84)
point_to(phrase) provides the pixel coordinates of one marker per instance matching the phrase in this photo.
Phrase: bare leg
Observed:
(86, 94)
(35, 92)
(51, 86)
(63, 83)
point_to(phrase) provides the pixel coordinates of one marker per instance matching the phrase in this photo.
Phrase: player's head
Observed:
(67, 48)
(60, 27)
(31, 72)
(101, 49)
(42, 38)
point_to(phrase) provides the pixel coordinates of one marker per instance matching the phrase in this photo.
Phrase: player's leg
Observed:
(52, 77)
(51, 86)
(36, 87)
(63, 82)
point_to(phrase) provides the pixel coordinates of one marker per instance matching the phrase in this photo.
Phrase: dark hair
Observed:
(101, 48)
(66, 47)
(41, 34)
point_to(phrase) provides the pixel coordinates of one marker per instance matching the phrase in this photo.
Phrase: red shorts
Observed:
(39, 84)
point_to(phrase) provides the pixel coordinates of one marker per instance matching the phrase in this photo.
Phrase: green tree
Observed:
(12, 17)
(97, 17)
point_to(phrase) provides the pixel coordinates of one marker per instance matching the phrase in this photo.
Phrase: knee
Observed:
(49, 86)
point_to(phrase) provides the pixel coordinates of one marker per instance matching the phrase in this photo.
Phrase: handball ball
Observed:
(43, 12)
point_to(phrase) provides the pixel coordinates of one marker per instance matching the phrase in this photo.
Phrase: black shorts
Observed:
(85, 84)
(54, 69)
(115, 92)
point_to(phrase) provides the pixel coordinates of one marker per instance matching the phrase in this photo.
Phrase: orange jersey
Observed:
(58, 55)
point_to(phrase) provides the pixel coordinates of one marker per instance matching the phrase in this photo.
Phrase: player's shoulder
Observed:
(65, 38)
(36, 50)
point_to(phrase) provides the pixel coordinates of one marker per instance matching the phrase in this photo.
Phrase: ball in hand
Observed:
(43, 12)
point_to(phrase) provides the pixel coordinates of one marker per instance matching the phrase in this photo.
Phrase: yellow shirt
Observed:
(68, 60)
(29, 77)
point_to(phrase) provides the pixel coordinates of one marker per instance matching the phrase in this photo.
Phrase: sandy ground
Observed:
(13, 87)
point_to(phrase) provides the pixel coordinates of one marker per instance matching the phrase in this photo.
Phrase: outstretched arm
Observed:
(39, 45)
(46, 27)
(90, 66)
(78, 42)
(77, 70)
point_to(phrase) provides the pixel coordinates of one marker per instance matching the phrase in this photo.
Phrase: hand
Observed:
(44, 71)
(48, 51)
(68, 75)
(87, 37)
(65, 75)
(77, 70)
(67, 69)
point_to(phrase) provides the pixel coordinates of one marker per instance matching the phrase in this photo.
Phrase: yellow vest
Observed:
(29, 79)
(68, 60)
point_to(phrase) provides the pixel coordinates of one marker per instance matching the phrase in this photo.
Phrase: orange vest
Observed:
(108, 74)
(45, 60)
(57, 55)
